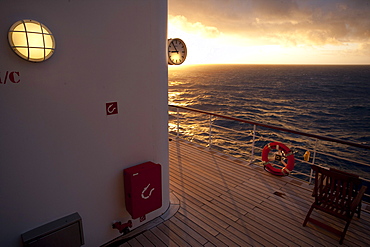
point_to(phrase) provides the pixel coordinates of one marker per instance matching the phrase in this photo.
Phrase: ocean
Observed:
(326, 100)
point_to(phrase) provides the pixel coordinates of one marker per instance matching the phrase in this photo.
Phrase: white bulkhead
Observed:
(60, 150)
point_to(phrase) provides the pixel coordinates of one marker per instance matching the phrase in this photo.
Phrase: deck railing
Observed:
(245, 139)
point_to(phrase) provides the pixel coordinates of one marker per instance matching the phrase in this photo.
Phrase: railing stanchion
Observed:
(178, 123)
(210, 132)
(253, 141)
(313, 160)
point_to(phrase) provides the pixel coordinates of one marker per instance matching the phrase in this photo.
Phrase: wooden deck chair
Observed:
(336, 193)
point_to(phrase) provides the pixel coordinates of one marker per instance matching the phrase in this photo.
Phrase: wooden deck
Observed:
(225, 202)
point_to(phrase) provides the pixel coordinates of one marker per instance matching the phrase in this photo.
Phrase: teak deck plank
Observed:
(227, 202)
(152, 238)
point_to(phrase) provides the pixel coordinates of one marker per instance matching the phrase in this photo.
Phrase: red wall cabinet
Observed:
(143, 188)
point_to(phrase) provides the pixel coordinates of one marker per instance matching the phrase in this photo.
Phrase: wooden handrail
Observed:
(275, 127)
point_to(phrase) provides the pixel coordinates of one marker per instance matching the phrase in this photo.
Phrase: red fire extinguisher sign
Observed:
(143, 188)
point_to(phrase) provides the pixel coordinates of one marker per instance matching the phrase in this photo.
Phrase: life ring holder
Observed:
(283, 152)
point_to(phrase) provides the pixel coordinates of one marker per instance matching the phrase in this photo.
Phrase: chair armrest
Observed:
(358, 198)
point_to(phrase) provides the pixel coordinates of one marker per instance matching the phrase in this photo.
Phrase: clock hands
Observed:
(174, 47)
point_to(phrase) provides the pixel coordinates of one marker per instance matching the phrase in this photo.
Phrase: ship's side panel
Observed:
(60, 150)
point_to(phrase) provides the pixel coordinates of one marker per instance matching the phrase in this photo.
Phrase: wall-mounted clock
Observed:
(176, 51)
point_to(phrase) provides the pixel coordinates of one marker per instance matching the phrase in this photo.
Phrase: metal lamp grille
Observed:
(31, 40)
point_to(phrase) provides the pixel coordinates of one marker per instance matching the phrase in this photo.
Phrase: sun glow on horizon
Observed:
(207, 45)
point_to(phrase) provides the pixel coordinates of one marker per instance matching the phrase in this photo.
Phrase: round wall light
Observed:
(31, 40)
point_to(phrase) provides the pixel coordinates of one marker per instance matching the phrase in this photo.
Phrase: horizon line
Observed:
(297, 64)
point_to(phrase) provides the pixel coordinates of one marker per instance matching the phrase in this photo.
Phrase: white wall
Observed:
(59, 151)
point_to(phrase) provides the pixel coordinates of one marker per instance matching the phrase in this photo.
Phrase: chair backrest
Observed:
(335, 189)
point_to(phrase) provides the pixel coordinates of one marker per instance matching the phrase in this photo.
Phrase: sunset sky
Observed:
(272, 31)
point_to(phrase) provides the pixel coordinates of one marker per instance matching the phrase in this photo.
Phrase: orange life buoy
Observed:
(287, 153)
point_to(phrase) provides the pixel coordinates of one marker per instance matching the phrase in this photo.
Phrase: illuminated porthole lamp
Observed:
(31, 40)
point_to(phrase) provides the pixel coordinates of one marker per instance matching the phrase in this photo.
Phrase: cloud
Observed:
(283, 22)
(194, 28)
(364, 49)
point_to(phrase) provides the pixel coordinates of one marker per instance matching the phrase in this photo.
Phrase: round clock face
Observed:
(176, 51)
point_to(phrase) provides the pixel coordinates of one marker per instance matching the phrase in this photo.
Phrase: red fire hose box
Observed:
(143, 188)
